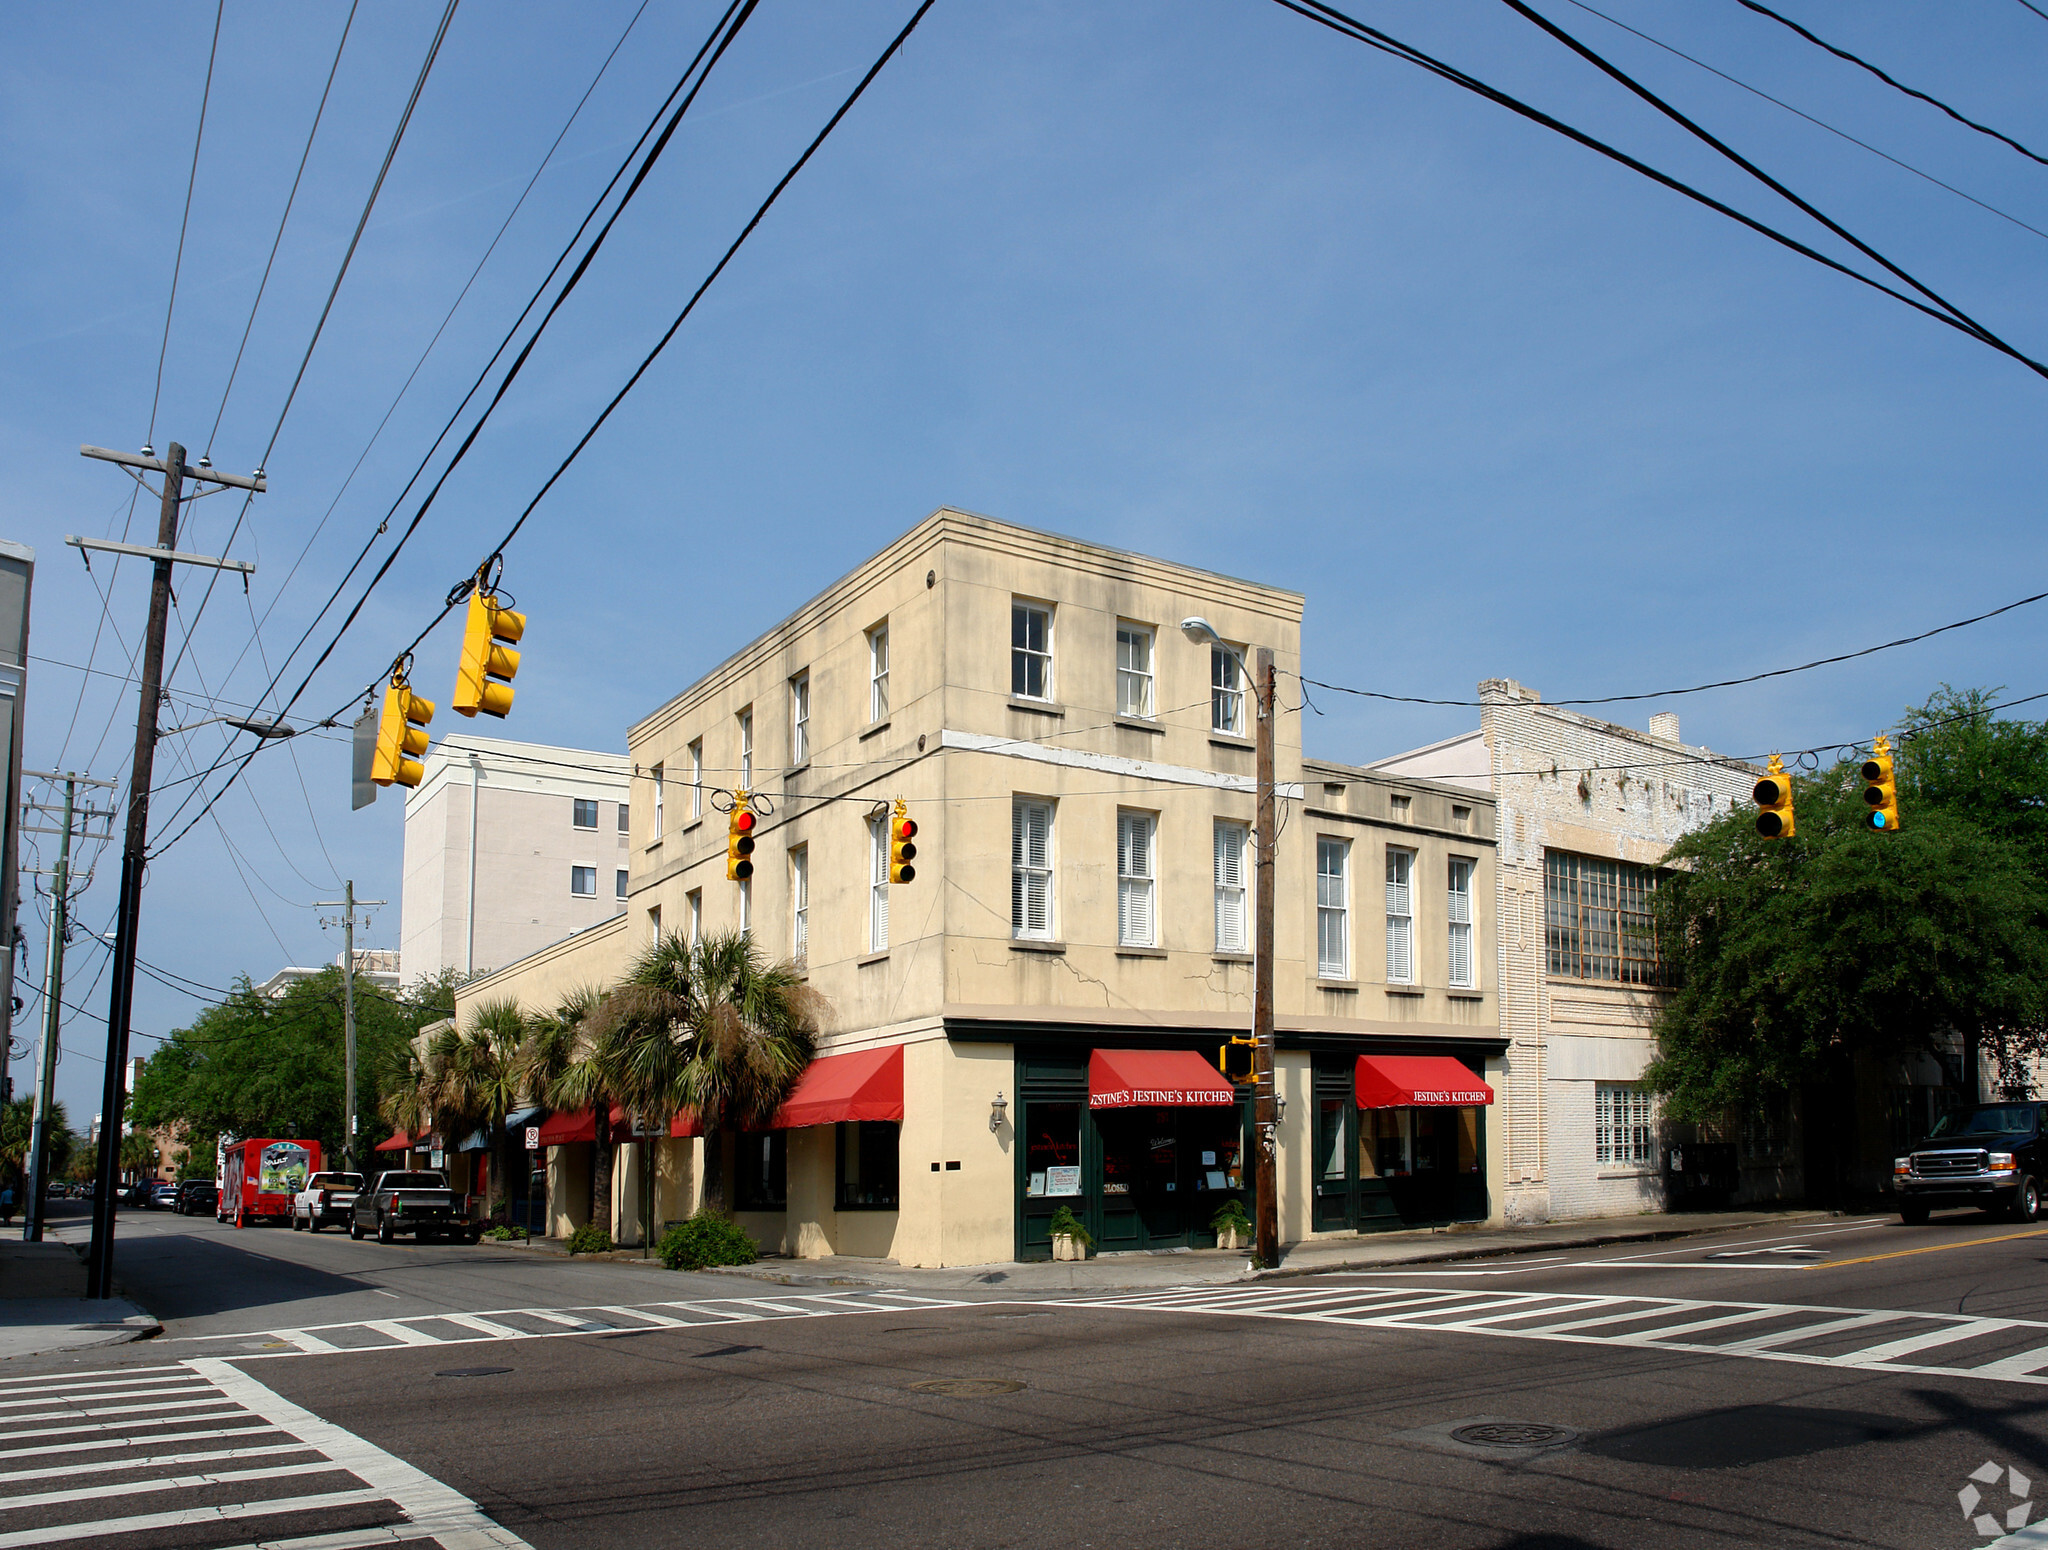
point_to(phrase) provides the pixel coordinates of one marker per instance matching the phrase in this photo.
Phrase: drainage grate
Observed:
(470, 1372)
(967, 1388)
(1512, 1434)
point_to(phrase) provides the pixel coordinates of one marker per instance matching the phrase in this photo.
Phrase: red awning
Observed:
(865, 1084)
(565, 1129)
(1155, 1078)
(1418, 1081)
(398, 1143)
(685, 1124)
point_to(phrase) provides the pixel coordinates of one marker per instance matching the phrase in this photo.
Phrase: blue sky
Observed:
(1198, 279)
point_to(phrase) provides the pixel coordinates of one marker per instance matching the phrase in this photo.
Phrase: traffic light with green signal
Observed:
(1880, 787)
(902, 844)
(739, 839)
(401, 735)
(483, 679)
(1773, 796)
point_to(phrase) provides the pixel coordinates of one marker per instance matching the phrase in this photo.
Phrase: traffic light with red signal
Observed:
(401, 735)
(739, 839)
(902, 844)
(1773, 796)
(1881, 787)
(483, 679)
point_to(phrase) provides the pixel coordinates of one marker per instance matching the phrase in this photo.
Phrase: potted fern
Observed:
(1070, 1240)
(1232, 1227)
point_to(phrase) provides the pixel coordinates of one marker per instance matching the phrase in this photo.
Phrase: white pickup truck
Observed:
(327, 1197)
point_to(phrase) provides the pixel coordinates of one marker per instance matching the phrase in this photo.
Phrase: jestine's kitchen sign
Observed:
(1161, 1098)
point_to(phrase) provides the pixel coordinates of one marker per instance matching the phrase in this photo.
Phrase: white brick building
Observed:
(1586, 810)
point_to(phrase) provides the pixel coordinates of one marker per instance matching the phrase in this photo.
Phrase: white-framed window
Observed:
(1030, 651)
(1333, 909)
(1231, 842)
(1460, 900)
(746, 721)
(696, 778)
(1400, 916)
(1624, 1126)
(799, 903)
(693, 911)
(625, 819)
(800, 719)
(1226, 692)
(1031, 869)
(654, 923)
(1134, 670)
(746, 904)
(583, 881)
(583, 815)
(621, 892)
(878, 672)
(1136, 880)
(878, 883)
(656, 773)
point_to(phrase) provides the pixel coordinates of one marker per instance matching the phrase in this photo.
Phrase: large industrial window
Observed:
(1624, 1126)
(1597, 922)
(867, 1154)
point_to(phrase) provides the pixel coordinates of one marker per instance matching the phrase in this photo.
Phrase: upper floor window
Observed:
(1597, 923)
(1402, 807)
(878, 673)
(1400, 916)
(1031, 870)
(746, 904)
(1226, 692)
(1461, 923)
(1134, 670)
(1333, 909)
(1624, 1125)
(1461, 818)
(799, 903)
(693, 914)
(1135, 880)
(697, 777)
(746, 720)
(585, 813)
(1230, 842)
(878, 883)
(583, 881)
(800, 719)
(1031, 651)
(621, 884)
(656, 772)
(625, 819)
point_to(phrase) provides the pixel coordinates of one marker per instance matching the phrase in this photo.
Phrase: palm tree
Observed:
(405, 1095)
(557, 1045)
(475, 1078)
(713, 1028)
(138, 1152)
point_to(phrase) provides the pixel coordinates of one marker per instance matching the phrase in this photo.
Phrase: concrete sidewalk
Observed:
(43, 1306)
(1200, 1267)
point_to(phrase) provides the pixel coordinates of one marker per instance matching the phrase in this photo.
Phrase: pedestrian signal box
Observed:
(1235, 1060)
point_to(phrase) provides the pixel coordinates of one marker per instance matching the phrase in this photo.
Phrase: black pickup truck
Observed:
(418, 1203)
(1989, 1155)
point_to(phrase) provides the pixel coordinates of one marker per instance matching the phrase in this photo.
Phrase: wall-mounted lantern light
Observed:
(996, 1113)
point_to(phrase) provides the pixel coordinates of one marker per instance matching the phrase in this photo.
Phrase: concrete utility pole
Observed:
(1265, 1101)
(99, 1269)
(347, 905)
(53, 986)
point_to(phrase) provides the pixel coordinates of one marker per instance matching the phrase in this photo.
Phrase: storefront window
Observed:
(1330, 1138)
(1052, 1150)
(867, 1164)
(762, 1171)
(1385, 1144)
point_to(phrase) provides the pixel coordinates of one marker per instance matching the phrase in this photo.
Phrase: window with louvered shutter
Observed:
(1333, 910)
(1400, 917)
(1134, 880)
(1230, 893)
(1031, 870)
(1460, 901)
(878, 884)
(799, 903)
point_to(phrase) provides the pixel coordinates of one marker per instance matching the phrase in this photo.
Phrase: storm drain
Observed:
(1512, 1434)
(967, 1388)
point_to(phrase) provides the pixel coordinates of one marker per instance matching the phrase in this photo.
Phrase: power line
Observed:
(184, 220)
(1896, 85)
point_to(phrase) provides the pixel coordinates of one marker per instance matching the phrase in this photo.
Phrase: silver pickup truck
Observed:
(327, 1197)
(413, 1202)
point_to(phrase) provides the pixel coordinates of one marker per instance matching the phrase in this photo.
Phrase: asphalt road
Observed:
(1837, 1386)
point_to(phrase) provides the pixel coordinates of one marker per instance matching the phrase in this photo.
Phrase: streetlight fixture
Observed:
(997, 1112)
(1266, 1106)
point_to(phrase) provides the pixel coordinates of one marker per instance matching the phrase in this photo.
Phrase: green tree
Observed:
(17, 1130)
(138, 1152)
(559, 1071)
(715, 1029)
(476, 1078)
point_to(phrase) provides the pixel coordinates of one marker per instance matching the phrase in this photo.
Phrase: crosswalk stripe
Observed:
(658, 1320)
(124, 1427)
(127, 1440)
(2022, 1365)
(108, 1374)
(84, 1386)
(155, 1461)
(1784, 1337)
(44, 1399)
(404, 1334)
(165, 1483)
(277, 1506)
(480, 1325)
(59, 1415)
(1928, 1340)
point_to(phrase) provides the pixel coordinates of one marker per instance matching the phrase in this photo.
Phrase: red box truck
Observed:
(260, 1176)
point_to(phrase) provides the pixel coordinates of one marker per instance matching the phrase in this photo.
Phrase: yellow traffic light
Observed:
(1880, 787)
(483, 679)
(401, 735)
(1774, 802)
(902, 846)
(1235, 1060)
(739, 839)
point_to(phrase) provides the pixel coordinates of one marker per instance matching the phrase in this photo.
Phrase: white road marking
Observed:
(280, 1506)
(404, 1334)
(155, 1461)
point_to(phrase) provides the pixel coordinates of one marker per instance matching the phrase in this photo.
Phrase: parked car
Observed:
(163, 1193)
(1990, 1156)
(416, 1202)
(327, 1197)
(196, 1197)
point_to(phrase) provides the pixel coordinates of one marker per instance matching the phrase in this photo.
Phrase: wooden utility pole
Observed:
(348, 905)
(99, 1268)
(1265, 1101)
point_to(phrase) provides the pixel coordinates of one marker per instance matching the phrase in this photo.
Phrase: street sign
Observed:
(533, 1138)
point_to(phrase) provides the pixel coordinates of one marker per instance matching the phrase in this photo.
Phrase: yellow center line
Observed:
(1932, 1248)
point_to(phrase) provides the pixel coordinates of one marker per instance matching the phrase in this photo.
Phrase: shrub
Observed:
(503, 1234)
(708, 1238)
(1067, 1225)
(1230, 1217)
(590, 1239)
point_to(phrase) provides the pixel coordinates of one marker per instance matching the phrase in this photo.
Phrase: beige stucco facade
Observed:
(1117, 926)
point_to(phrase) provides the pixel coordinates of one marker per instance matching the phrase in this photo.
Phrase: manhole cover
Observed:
(470, 1372)
(1512, 1434)
(967, 1388)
